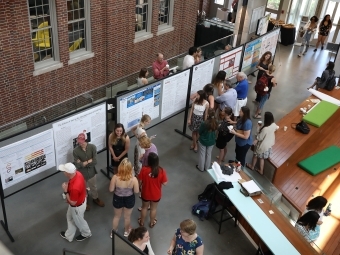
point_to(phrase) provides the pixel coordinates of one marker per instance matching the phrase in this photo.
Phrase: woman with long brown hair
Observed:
(119, 144)
(324, 29)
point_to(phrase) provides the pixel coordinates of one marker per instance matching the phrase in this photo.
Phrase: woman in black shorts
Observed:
(224, 136)
(124, 185)
(324, 29)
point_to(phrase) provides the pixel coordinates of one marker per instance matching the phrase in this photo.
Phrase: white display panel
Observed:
(91, 122)
(26, 158)
(230, 62)
(143, 101)
(174, 93)
(255, 16)
(262, 26)
(202, 75)
(256, 48)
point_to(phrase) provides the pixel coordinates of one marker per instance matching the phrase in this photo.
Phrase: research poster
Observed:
(255, 16)
(255, 49)
(142, 101)
(91, 122)
(230, 62)
(26, 158)
(202, 75)
(173, 98)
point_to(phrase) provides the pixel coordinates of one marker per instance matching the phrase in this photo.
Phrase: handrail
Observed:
(122, 238)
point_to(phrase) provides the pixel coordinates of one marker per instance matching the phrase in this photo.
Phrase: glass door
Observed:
(332, 8)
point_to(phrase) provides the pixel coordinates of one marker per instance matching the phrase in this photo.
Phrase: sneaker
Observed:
(62, 234)
(304, 53)
(299, 55)
(98, 202)
(315, 50)
(82, 238)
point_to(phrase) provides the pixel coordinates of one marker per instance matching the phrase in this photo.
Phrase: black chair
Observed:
(260, 251)
(221, 200)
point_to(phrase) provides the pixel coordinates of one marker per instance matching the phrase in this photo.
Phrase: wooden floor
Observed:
(298, 186)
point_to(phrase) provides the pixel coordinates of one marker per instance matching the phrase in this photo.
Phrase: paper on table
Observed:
(251, 186)
(325, 97)
(223, 177)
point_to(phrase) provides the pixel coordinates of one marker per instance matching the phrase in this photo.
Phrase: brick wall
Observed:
(116, 55)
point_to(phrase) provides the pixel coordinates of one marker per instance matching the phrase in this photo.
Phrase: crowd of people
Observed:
(219, 114)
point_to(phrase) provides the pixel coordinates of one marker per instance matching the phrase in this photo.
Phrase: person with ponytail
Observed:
(140, 238)
(206, 141)
(152, 177)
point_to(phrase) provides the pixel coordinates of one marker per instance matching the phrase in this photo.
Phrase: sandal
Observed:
(218, 157)
(257, 117)
(140, 222)
(249, 166)
(140, 208)
(257, 170)
(153, 223)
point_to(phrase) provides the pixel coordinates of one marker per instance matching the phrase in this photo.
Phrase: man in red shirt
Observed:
(75, 192)
(160, 67)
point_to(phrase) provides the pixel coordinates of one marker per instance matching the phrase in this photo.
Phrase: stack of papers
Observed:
(251, 187)
(220, 177)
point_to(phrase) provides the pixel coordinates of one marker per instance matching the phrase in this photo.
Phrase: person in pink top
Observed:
(160, 67)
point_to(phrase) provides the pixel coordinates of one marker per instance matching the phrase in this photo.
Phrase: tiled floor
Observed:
(37, 214)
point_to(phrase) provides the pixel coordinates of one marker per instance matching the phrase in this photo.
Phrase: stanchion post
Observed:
(4, 223)
(183, 132)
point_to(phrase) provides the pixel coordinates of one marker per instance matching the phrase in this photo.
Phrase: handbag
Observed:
(301, 127)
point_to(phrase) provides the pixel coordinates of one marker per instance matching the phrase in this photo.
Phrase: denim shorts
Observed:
(120, 202)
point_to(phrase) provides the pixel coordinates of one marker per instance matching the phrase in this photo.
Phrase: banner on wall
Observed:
(91, 122)
(174, 94)
(26, 158)
(142, 101)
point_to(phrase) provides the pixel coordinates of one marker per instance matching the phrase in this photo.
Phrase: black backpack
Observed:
(208, 192)
(330, 84)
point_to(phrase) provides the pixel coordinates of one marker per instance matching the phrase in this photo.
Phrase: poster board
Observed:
(91, 122)
(230, 62)
(174, 94)
(253, 50)
(131, 106)
(26, 158)
(202, 74)
(255, 16)
(262, 25)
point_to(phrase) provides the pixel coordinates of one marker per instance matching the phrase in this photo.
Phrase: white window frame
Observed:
(165, 28)
(144, 35)
(85, 53)
(54, 62)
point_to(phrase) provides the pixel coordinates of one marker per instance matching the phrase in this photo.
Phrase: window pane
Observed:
(141, 15)
(220, 2)
(163, 13)
(41, 31)
(273, 4)
(76, 25)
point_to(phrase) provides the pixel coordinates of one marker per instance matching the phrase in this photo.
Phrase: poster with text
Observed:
(174, 93)
(202, 75)
(251, 56)
(90, 122)
(230, 62)
(269, 42)
(26, 158)
(133, 106)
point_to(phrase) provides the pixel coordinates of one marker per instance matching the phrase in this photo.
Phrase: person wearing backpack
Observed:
(263, 89)
(327, 77)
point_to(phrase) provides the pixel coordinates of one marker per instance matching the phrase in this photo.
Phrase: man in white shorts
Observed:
(242, 92)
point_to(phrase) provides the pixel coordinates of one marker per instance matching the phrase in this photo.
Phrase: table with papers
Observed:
(263, 218)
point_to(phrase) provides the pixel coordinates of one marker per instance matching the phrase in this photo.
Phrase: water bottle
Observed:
(328, 210)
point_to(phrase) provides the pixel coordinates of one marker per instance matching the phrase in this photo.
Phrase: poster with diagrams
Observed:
(202, 75)
(173, 98)
(26, 158)
(143, 101)
(91, 122)
(230, 62)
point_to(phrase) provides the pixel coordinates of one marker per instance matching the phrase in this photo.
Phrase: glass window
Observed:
(220, 2)
(42, 30)
(273, 4)
(76, 16)
(142, 16)
(164, 11)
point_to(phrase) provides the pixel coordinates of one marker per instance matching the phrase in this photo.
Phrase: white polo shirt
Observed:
(188, 61)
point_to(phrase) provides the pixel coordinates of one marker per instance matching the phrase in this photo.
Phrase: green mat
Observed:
(321, 161)
(320, 113)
